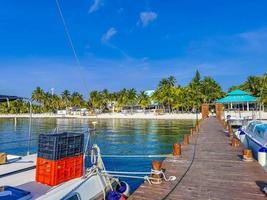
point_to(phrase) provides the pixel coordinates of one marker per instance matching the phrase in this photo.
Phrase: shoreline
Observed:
(178, 116)
(107, 116)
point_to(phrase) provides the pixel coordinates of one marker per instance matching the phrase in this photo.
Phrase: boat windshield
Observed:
(258, 128)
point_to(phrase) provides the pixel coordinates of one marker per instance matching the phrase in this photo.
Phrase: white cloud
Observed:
(147, 17)
(108, 35)
(95, 6)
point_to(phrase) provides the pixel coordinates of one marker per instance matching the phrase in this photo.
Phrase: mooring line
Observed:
(189, 167)
(138, 156)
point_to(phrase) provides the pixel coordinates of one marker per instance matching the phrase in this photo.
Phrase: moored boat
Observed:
(254, 136)
(18, 180)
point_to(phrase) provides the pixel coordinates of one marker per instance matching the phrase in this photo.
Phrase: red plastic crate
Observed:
(54, 172)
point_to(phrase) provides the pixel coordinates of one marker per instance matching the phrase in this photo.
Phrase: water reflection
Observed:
(114, 136)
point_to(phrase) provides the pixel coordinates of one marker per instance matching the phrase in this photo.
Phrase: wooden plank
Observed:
(217, 171)
(26, 162)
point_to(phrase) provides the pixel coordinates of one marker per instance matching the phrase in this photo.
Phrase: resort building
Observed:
(239, 100)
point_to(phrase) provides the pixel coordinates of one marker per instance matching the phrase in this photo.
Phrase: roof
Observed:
(237, 93)
(149, 92)
(237, 96)
(4, 98)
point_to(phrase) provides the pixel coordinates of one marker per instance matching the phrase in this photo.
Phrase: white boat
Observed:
(18, 176)
(17, 181)
(254, 136)
(237, 122)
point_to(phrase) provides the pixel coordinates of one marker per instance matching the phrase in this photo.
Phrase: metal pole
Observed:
(30, 127)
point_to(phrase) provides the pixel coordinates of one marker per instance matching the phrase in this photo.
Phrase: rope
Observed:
(182, 177)
(66, 29)
(120, 172)
(137, 156)
(124, 175)
(67, 33)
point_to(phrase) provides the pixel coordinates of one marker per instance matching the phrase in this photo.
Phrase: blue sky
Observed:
(126, 43)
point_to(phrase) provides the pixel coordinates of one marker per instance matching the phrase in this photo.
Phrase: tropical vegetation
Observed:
(168, 96)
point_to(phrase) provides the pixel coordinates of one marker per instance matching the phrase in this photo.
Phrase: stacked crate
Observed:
(60, 158)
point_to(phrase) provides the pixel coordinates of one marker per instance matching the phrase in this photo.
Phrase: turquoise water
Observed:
(114, 136)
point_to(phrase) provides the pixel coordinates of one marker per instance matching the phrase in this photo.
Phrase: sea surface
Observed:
(121, 137)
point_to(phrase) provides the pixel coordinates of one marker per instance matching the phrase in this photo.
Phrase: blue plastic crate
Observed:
(12, 193)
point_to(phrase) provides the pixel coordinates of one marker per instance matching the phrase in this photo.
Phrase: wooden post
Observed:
(235, 142)
(186, 139)
(230, 130)
(205, 111)
(177, 151)
(156, 165)
(247, 155)
(225, 124)
(219, 110)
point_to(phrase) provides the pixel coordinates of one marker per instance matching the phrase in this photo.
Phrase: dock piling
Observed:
(247, 155)
(235, 142)
(186, 139)
(156, 165)
(177, 151)
(230, 130)
(203, 165)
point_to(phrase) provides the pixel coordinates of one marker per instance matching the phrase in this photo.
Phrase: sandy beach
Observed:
(108, 116)
(129, 116)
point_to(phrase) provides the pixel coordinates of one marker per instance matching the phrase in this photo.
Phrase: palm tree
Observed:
(178, 98)
(121, 98)
(96, 100)
(47, 102)
(195, 91)
(253, 85)
(143, 100)
(165, 92)
(211, 90)
(38, 95)
(77, 100)
(66, 98)
(131, 98)
(107, 98)
(55, 102)
(167, 82)
(263, 95)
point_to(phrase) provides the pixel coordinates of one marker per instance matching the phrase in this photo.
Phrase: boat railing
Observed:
(13, 145)
(17, 141)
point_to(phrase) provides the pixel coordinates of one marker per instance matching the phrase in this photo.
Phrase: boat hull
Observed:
(254, 145)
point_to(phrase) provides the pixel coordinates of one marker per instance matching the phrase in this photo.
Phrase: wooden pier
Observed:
(209, 168)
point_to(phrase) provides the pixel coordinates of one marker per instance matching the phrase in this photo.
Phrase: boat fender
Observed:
(123, 189)
(115, 195)
(262, 156)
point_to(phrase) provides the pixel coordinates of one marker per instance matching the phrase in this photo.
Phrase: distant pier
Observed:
(208, 168)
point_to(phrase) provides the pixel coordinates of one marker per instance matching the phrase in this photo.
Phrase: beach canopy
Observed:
(237, 96)
(5, 98)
